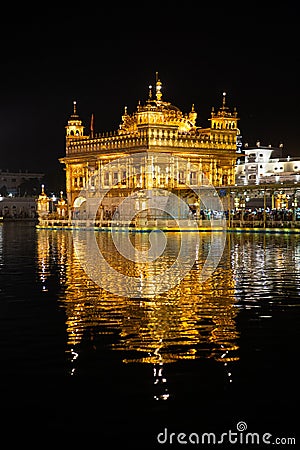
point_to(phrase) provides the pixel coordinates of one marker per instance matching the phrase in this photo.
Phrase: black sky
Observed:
(51, 59)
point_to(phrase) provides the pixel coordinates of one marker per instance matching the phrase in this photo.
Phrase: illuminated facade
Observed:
(266, 165)
(156, 128)
(265, 179)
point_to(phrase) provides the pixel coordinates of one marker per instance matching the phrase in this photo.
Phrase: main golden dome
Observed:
(157, 112)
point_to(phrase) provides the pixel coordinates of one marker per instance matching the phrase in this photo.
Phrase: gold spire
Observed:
(158, 88)
(74, 115)
(74, 129)
(193, 115)
(224, 100)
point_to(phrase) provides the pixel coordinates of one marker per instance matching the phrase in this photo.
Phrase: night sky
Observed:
(52, 59)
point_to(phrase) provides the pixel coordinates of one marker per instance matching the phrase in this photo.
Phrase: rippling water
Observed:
(82, 355)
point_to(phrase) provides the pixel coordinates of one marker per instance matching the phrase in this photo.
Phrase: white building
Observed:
(264, 165)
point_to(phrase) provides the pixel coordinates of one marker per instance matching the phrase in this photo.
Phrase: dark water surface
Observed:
(81, 365)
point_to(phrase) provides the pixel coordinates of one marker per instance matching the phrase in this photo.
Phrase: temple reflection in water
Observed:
(195, 320)
(192, 320)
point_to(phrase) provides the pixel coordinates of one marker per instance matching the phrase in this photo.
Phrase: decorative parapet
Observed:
(150, 138)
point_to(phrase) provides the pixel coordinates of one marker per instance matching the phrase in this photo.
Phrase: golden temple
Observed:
(177, 154)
